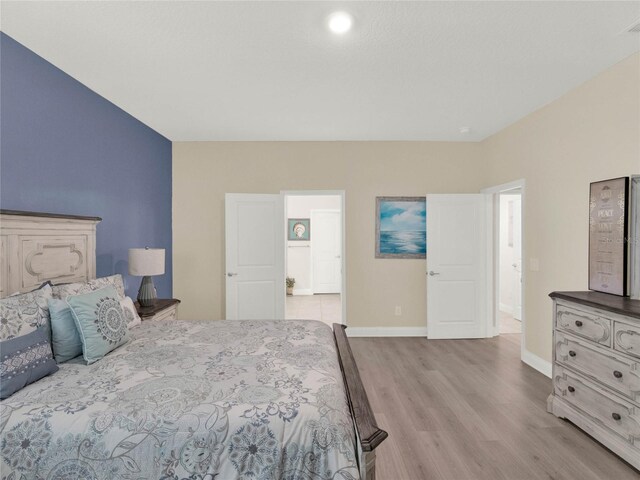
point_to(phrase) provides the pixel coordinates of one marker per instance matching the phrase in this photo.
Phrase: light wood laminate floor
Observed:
(469, 409)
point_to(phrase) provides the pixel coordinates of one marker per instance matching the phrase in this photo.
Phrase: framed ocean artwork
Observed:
(401, 227)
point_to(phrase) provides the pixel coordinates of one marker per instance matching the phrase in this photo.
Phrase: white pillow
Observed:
(130, 312)
(22, 314)
(66, 289)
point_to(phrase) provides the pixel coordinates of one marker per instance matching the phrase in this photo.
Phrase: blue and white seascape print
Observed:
(402, 227)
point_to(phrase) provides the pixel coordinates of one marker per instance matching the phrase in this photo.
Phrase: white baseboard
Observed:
(536, 362)
(386, 331)
(302, 291)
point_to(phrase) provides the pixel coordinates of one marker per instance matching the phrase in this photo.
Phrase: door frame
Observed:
(311, 269)
(493, 253)
(342, 194)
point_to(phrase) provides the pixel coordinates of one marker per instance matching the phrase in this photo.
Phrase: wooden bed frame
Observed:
(39, 247)
(369, 435)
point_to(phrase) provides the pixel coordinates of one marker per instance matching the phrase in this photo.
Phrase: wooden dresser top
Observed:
(605, 301)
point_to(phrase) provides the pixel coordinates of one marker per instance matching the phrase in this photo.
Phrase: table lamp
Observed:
(145, 262)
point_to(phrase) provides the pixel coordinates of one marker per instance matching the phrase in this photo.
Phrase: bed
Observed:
(198, 400)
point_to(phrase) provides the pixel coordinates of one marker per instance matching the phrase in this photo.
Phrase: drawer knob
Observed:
(617, 374)
(571, 389)
(616, 416)
(578, 323)
(572, 353)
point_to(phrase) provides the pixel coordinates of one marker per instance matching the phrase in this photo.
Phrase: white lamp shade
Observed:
(146, 261)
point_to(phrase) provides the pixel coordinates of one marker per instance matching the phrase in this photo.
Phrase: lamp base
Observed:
(147, 293)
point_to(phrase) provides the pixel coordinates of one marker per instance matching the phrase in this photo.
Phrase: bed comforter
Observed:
(189, 400)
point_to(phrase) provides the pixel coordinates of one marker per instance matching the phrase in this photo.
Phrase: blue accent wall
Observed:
(66, 149)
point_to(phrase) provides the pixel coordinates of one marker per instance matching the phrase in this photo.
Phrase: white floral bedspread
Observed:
(189, 400)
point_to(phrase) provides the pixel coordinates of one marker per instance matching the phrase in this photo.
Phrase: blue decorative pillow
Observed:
(65, 339)
(24, 360)
(100, 321)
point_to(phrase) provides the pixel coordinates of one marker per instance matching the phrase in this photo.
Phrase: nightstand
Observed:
(164, 309)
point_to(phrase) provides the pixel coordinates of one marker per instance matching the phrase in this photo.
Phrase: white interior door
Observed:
(254, 256)
(456, 265)
(326, 251)
(517, 253)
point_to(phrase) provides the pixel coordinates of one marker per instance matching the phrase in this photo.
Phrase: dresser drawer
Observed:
(618, 415)
(584, 324)
(608, 368)
(626, 339)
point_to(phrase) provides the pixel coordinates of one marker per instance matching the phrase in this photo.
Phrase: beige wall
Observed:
(592, 133)
(204, 171)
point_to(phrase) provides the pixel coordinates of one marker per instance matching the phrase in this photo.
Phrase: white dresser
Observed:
(596, 368)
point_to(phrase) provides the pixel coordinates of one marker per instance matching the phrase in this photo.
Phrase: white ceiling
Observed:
(272, 71)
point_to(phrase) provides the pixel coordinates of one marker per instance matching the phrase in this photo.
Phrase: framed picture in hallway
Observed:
(299, 229)
(401, 227)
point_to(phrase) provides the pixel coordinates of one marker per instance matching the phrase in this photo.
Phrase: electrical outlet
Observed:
(398, 310)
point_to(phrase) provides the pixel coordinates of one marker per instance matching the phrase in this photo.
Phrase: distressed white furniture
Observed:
(164, 309)
(37, 247)
(596, 368)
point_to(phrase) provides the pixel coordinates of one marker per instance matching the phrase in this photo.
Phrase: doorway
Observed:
(314, 255)
(508, 254)
(510, 262)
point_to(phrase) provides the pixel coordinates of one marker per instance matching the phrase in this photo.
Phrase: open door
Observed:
(326, 251)
(517, 261)
(254, 236)
(457, 265)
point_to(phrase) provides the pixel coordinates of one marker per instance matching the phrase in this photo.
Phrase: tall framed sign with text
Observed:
(608, 234)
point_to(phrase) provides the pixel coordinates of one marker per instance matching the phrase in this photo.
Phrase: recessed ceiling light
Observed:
(340, 22)
(465, 130)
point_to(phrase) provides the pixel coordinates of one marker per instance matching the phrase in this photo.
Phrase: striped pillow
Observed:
(24, 360)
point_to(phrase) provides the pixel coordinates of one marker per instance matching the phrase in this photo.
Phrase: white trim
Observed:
(536, 362)
(302, 291)
(343, 211)
(493, 254)
(504, 187)
(387, 331)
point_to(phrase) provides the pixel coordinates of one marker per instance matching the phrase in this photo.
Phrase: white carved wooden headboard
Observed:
(36, 247)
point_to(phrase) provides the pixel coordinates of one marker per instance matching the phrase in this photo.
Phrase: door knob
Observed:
(432, 273)
(231, 274)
